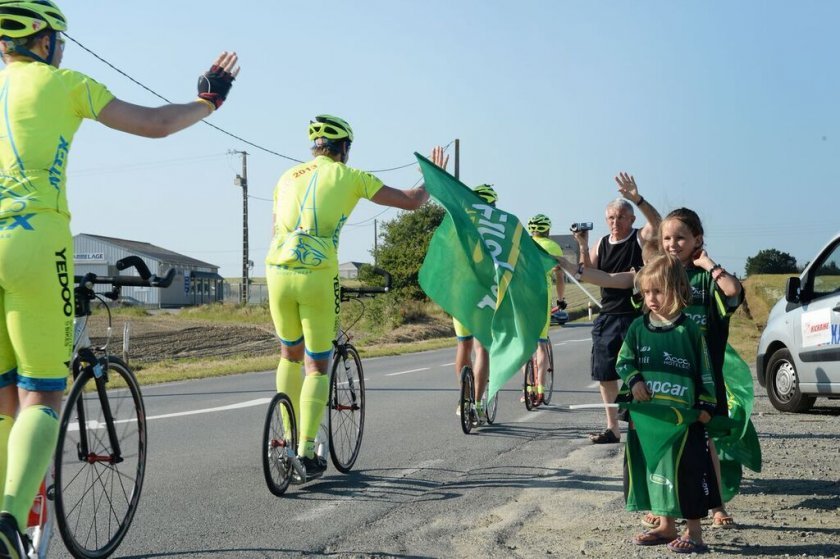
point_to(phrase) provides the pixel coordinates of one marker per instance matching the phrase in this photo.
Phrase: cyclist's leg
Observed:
(319, 313)
(481, 371)
(463, 355)
(37, 281)
(283, 304)
(542, 359)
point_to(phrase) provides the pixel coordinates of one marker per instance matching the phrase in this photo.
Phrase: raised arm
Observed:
(628, 189)
(410, 198)
(158, 122)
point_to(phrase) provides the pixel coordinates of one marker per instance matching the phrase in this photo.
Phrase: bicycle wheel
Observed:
(549, 375)
(279, 443)
(528, 386)
(467, 396)
(490, 407)
(346, 407)
(98, 486)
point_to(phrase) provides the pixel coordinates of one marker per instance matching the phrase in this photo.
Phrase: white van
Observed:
(799, 351)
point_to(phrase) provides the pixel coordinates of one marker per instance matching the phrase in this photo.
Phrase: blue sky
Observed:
(728, 108)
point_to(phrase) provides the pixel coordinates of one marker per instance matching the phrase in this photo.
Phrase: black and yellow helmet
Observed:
(539, 224)
(20, 19)
(487, 193)
(330, 127)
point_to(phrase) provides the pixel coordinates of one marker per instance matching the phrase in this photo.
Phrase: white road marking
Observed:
(407, 372)
(250, 403)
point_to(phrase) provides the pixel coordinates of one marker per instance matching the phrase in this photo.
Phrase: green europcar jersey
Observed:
(42, 107)
(711, 310)
(673, 361)
(674, 364)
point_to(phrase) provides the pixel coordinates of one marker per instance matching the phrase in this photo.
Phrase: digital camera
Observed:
(582, 226)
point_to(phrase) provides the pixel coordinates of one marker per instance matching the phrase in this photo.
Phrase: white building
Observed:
(195, 282)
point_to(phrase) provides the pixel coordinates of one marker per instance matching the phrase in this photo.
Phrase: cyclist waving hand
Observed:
(44, 106)
(312, 202)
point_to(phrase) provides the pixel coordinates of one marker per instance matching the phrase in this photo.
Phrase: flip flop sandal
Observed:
(604, 437)
(687, 545)
(649, 538)
(723, 522)
(650, 520)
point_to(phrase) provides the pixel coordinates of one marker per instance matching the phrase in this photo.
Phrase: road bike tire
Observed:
(346, 407)
(467, 399)
(491, 407)
(279, 443)
(549, 375)
(96, 495)
(528, 385)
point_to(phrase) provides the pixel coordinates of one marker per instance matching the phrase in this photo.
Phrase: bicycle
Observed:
(529, 387)
(469, 416)
(94, 486)
(345, 420)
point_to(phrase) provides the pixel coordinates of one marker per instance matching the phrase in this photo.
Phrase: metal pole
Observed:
(375, 244)
(457, 159)
(242, 180)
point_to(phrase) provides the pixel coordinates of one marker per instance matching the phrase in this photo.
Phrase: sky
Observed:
(728, 108)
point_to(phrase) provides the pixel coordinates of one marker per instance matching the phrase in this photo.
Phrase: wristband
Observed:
(579, 272)
(208, 103)
(641, 201)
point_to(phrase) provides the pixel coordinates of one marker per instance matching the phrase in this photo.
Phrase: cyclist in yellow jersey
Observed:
(538, 227)
(312, 202)
(42, 107)
(467, 342)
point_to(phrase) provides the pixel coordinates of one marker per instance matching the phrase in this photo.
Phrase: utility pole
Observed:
(242, 181)
(375, 244)
(457, 159)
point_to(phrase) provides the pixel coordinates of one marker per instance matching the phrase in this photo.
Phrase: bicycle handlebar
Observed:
(369, 290)
(146, 278)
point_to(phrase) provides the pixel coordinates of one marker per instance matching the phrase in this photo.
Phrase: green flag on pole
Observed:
(484, 270)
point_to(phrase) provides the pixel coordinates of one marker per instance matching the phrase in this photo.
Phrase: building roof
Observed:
(353, 263)
(151, 251)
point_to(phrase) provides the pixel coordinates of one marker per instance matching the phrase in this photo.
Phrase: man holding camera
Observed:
(620, 251)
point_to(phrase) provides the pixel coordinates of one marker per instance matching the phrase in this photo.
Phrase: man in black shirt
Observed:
(620, 251)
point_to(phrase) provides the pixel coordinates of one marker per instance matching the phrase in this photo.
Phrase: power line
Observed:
(222, 130)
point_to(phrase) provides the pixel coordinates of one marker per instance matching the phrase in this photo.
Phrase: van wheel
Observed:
(783, 384)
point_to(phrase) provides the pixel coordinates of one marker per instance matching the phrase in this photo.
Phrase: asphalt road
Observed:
(205, 495)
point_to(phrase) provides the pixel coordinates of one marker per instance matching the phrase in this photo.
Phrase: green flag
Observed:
(738, 447)
(484, 269)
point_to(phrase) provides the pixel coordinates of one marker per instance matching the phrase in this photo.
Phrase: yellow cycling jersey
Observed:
(548, 245)
(312, 202)
(41, 107)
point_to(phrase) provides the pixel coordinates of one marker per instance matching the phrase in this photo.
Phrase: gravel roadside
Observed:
(790, 509)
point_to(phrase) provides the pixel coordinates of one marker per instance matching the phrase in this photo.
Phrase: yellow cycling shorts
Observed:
(36, 297)
(461, 331)
(305, 306)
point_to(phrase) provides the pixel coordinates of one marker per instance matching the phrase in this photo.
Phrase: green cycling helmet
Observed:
(20, 19)
(329, 127)
(539, 224)
(487, 192)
